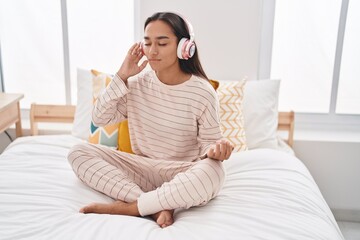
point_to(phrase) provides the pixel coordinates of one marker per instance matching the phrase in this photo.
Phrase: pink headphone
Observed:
(186, 47)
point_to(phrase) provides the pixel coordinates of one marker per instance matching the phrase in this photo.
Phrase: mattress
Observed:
(268, 194)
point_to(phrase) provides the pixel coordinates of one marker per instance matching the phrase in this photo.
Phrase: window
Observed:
(101, 37)
(316, 55)
(305, 34)
(48, 40)
(31, 48)
(348, 98)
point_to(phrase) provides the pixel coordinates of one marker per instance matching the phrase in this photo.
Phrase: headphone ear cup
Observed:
(186, 49)
(190, 49)
(181, 48)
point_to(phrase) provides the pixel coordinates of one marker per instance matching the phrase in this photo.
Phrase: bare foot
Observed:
(117, 207)
(164, 218)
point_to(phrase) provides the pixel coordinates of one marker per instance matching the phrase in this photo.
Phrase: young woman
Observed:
(174, 129)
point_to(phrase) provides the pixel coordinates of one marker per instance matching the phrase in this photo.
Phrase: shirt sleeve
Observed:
(209, 126)
(110, 106)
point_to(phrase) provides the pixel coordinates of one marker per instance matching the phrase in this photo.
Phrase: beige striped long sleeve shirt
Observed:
(174, 122)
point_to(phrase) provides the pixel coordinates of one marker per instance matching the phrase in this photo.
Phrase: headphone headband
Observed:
(189, 28)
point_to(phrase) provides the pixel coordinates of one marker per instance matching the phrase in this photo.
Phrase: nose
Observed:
(153, 50)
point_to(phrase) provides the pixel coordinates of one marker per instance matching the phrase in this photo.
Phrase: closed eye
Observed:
(160, 44)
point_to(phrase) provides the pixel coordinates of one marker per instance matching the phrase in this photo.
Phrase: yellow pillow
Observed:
(124, 143)
(114, 135)
(214, 83)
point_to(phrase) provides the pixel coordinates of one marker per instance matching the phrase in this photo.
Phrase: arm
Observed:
(212, 144)
(110, 107)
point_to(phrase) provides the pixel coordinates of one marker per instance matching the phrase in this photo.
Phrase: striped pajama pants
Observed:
(156, 184)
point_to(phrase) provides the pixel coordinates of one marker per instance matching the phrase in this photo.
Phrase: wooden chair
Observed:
(286, 123)
(50, 113)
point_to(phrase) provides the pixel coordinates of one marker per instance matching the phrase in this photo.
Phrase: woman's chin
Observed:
(154, 67)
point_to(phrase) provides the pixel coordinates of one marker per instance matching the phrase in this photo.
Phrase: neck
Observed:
(172, 76)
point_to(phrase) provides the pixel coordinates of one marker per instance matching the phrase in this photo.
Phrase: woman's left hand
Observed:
(221, 150)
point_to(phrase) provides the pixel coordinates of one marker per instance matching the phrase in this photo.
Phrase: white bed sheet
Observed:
(268, 194)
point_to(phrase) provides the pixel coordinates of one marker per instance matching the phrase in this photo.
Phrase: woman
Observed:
(174, 129)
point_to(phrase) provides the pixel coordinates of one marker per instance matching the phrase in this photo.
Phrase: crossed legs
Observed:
(144, 186)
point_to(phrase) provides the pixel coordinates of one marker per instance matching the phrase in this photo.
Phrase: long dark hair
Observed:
(179, 27)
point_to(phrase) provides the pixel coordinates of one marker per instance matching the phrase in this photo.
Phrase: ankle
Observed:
(133, 209)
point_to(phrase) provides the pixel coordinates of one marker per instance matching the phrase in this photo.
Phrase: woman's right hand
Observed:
(130, 65)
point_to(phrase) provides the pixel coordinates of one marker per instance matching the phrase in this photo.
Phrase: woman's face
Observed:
(160, 45)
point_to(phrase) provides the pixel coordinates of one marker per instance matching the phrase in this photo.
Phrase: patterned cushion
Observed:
(107, 135)
(231, 115)
(114, 135)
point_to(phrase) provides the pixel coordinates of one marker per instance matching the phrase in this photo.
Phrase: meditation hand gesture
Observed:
(221, 150)
(130, 65)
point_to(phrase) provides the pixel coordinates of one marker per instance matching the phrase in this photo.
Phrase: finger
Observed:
(139, 55)
(211, 153)
(218, 150)
(143, 65)
(137, 49)
(132, 48)
(225, 149)
(228, 150)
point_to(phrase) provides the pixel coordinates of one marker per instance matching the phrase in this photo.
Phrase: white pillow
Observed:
(261, 113)
(82, 120)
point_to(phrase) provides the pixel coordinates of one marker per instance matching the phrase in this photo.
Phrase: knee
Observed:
(216, 168)
(214, 171)
(77, 151)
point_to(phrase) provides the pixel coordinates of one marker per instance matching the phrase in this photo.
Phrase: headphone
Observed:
(186, 47)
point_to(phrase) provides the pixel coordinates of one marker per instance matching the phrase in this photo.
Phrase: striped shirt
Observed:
(174, 122)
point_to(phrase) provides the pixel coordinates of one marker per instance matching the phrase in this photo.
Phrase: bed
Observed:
(268, 194)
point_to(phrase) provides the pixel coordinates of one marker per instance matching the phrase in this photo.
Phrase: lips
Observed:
(153, 60)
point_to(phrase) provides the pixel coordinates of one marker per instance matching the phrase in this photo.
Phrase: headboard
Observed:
(65, 114)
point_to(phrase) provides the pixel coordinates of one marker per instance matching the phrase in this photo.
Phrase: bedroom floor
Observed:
(350, 230)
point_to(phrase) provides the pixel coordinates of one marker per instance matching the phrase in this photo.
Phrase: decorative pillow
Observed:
(107, 135)
(124, 143)
(260, 109)
(231, 115)
(114, 135)
(214, 83)
(82, 120)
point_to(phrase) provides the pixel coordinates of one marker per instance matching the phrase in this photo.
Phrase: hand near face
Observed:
(221, 150)
(130, 65)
